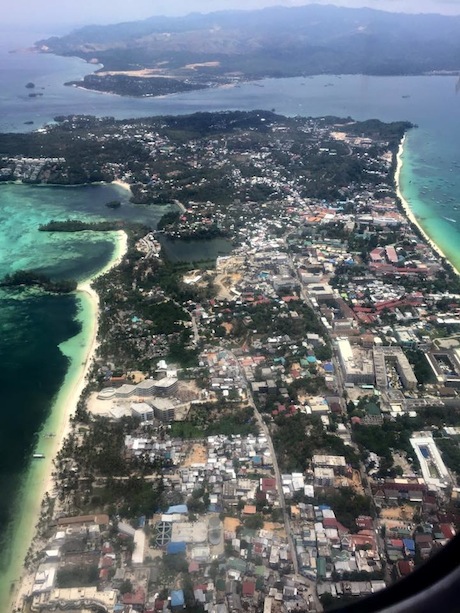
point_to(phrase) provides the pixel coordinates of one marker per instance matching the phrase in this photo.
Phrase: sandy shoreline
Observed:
(63, 409)
(408, 211)
(80, 384)
(123, 185)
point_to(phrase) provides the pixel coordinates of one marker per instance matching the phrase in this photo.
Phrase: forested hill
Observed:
(272, 42)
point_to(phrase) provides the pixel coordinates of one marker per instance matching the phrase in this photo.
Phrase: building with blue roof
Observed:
(409, 546)
(175, 547)
(177, 598)
(180, 509)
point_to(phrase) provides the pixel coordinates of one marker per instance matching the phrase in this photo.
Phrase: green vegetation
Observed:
(179, 354)
(168, 276)
(347, 505)
(254, 522)
(384, 439)
(268, 318)
(310, 385)
(135, 86)
(422, 369)
(216, 418)
(109, 478)
(126, 587)
(76, 225)
(100, 450)
(167, 317)
(89, 149)
(450, 453)
(168, 219)
(298, 437)
(175, 563)
(77, 576)
(131, 497)
(186, 430)
(330, 41)
(33, 278)
(142, 318)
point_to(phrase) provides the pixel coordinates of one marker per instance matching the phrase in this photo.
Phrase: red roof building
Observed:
(447, 531)
(364, 522)
(404, 567)
(136, 598)
(268, 484)
(106, 562)
(248, 589)
(391, 254)
(104, 574)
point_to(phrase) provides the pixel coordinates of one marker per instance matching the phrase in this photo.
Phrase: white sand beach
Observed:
(39, 480)
(123, 185)
(407, 209)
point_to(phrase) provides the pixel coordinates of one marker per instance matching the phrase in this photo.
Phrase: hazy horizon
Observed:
(29, 14)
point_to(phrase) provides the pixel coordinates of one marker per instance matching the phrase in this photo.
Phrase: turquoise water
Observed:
(430, 183)
(43, 338)
(23, 208)
(32, 324)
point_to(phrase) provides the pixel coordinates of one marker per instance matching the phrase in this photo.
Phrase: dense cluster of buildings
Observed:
(28, 170)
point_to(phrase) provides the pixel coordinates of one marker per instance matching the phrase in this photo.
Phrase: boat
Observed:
(38, 456)
(452, 220)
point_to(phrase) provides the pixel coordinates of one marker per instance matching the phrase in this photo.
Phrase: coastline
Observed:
(407, 208)
(39, 481)
(123, 185)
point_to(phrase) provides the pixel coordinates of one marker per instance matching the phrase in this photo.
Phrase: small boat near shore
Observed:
(38, 456)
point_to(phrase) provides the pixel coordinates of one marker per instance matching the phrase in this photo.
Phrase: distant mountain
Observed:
(207, 49)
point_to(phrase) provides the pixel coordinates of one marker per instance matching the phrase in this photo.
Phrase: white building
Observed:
(434, 471)
(356, 363)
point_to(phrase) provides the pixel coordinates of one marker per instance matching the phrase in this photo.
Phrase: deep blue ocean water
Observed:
(33, 326)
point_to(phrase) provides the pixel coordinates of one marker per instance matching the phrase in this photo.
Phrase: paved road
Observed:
(196, 334)
(308, 583)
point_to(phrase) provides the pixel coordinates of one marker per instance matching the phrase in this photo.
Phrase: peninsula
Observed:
(277, 427)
